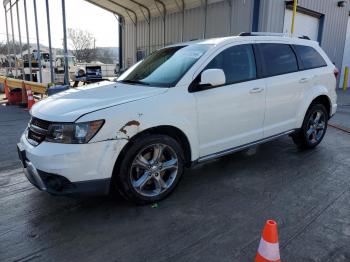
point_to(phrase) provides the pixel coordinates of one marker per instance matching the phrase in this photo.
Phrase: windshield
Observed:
(71, 61)
(165, 67)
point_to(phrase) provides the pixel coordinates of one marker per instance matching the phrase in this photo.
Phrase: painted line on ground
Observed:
(341, 128)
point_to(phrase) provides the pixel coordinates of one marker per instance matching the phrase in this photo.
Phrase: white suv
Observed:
(183, 104)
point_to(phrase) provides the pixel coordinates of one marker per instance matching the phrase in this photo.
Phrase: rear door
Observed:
(279, 67)
(312, 66)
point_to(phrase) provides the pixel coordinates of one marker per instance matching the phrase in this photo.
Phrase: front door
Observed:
(231, 115)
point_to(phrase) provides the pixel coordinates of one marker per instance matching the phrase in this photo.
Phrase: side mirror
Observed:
(213, 77)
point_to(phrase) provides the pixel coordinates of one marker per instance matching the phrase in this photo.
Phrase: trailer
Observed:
(94, 72)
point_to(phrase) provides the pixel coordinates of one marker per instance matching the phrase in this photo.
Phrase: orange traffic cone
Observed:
(24, 94)
(30, 97)
(268, 250)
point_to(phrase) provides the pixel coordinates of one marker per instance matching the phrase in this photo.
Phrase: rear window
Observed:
(278, 59)
(309, 57)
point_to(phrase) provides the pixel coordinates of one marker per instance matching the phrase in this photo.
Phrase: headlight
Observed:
(73, 133)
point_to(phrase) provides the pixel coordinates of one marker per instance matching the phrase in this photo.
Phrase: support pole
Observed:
(295, 4)
(20, 39)
(13, 39)
(28, 44)
(121, 21)
(49, 36)
(346, 78)
(37, 42)
(8, 42)
(66, 76)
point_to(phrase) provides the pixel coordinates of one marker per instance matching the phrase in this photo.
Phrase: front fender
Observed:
(309, 96)
(125, 121)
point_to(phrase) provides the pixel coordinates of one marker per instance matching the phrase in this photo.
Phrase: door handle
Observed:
(256, 90)
(304, 80)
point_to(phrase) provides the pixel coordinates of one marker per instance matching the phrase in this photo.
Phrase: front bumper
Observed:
(59, 185)
(65, 169)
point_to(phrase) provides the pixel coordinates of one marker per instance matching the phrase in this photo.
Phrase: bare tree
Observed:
(3, 48)
(104, 55)
(82, 44)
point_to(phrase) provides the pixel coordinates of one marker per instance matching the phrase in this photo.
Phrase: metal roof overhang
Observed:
(132, 10)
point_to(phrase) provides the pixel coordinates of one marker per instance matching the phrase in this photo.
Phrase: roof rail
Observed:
(261, 34)
(304, 37)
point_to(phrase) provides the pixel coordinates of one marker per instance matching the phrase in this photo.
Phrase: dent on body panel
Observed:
(130, 128)
(126, 131)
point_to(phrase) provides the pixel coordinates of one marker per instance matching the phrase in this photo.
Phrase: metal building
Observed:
(149, 24)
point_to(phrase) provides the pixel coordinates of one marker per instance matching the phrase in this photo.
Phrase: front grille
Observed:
(40, 123)
(37, 130)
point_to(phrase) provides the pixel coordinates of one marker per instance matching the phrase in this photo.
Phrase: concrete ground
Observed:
(216, 214)
(342, 118)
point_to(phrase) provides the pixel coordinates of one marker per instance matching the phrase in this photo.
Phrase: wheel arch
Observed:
(318, 94)
(323, 100)
(168, 130)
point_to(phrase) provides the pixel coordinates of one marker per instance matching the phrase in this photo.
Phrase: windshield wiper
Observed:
(134, 82)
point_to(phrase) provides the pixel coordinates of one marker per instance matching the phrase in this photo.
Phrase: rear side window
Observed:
(309, 57)
(237, 62)
(277, 59)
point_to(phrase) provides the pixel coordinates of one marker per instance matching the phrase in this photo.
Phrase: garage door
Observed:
(304, 24)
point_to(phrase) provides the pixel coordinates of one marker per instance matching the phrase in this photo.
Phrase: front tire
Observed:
(313, 129)
(150, 169)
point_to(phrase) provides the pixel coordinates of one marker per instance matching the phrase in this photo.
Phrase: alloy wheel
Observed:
(316, 127)
(154, 170)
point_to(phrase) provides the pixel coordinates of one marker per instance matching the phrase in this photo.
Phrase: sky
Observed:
(79, 15)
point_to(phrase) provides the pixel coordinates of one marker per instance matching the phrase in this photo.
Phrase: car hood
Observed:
(69, 105)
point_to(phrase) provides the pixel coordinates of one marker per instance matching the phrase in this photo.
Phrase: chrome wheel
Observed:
(316, 127)
(154, 170)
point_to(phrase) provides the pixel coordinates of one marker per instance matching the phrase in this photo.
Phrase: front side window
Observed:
(237, 62)
(165, 67)
(309, 57)
(277, 59)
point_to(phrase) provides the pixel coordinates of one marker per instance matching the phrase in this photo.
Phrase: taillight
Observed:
(336, 72)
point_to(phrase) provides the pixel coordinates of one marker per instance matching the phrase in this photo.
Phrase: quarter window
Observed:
(237, 62)
(278, 59)
(309, 57)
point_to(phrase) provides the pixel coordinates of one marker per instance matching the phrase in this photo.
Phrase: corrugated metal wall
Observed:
(271, 18)
(218, 24)
(271, 15)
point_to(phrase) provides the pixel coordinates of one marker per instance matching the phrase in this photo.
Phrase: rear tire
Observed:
(150, 169)
(313, 129)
